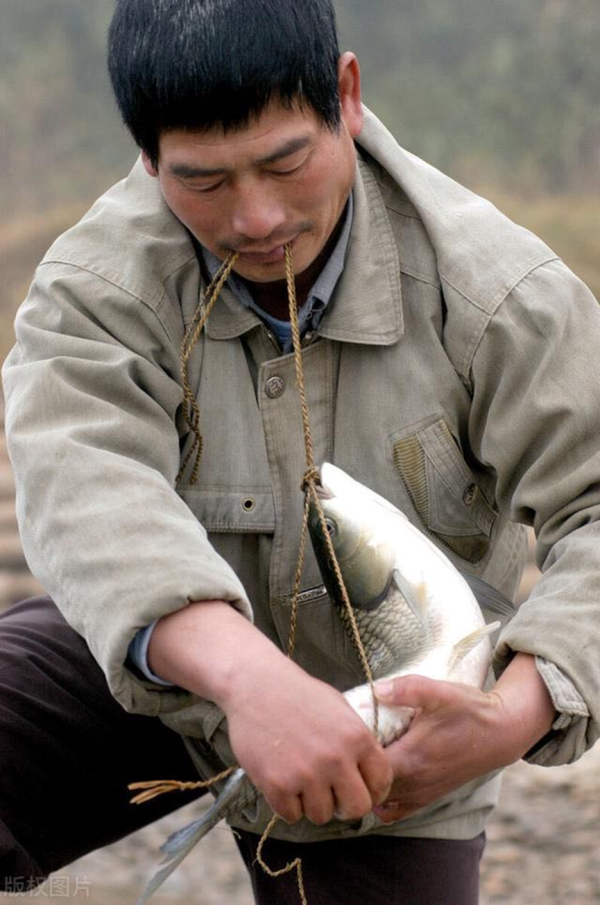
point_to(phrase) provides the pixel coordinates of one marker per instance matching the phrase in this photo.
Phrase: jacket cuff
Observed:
(566, 741)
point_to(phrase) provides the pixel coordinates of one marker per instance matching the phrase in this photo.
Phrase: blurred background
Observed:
(502, 95)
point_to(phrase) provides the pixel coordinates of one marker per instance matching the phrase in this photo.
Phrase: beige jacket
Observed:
(456, 372)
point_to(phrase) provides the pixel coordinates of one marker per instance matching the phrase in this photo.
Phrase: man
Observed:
(449, 359)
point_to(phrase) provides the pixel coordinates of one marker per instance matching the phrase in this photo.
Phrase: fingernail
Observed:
(384, 689)
(384, 812)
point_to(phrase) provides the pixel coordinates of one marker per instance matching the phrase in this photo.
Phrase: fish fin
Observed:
(469, 643)
(489, 597)
(181, 842)
(415, 601)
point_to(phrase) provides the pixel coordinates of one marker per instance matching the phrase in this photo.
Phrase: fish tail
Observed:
(181, 842)
(177, 846)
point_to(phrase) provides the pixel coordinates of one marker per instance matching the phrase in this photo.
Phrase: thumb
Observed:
(413, 691)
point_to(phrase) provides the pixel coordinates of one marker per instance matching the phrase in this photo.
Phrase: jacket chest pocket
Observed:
(240, 523)
(443, 490)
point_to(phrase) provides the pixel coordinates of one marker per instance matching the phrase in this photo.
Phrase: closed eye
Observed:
(289, 167)
(289, 172)
(205, 189)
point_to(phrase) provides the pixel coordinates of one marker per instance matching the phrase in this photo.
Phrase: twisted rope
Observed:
(191, 336)
(296, 864)
(309, 485)
(310, 481)
(154, 788)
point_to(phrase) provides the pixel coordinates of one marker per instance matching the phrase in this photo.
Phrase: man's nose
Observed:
(257, 214)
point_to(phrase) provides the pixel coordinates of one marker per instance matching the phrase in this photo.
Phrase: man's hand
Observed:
(305, 748)
(459, 733)
(298, 739)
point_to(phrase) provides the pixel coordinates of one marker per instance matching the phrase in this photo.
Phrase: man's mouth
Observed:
(268, 255)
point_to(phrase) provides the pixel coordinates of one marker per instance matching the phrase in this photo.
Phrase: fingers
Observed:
(342, 791)
(302, 796)
(319, 804)
(316, 803)
(359, 786)
(377, 773)
(357, 795)
(289, 807)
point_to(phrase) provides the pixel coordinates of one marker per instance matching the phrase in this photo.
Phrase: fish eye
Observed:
(331, 527)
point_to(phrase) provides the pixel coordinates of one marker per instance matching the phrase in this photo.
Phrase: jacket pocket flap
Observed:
(231, 511)
(458, 505)
(443, 490)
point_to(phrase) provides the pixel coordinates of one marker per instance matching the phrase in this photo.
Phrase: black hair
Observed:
(199, 64)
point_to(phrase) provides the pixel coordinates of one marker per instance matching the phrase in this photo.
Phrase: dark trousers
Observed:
(371, 870)
(68, 752)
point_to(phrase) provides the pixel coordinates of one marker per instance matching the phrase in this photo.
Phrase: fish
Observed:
(416, 614)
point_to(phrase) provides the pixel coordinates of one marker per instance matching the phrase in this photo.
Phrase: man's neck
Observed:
(273, 297)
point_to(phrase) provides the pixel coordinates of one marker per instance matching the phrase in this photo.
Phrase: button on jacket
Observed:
(455, 371)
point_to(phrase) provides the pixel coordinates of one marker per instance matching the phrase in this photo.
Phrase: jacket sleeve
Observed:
(93, 397)
(536, 423)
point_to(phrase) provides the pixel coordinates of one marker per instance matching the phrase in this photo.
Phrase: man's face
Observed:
(284, 178)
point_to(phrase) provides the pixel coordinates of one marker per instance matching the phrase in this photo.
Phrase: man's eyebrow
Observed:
(286, 150)
(189, 171)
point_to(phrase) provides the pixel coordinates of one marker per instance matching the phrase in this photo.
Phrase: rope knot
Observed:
(311, 476)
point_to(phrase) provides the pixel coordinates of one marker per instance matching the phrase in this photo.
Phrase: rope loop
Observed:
(296, 864)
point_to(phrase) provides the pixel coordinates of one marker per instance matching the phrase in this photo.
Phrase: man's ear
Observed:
(349, 89)
(148, 165)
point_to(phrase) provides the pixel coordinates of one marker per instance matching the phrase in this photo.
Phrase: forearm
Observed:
(210, 649)
(526, 706)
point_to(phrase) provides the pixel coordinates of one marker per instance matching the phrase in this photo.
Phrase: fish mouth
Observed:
(323, 493)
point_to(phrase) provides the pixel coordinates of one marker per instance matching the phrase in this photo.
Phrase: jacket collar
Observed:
(366, 306)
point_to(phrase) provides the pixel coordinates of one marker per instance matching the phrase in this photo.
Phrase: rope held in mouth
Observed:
(309, 484)
(310, 481)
